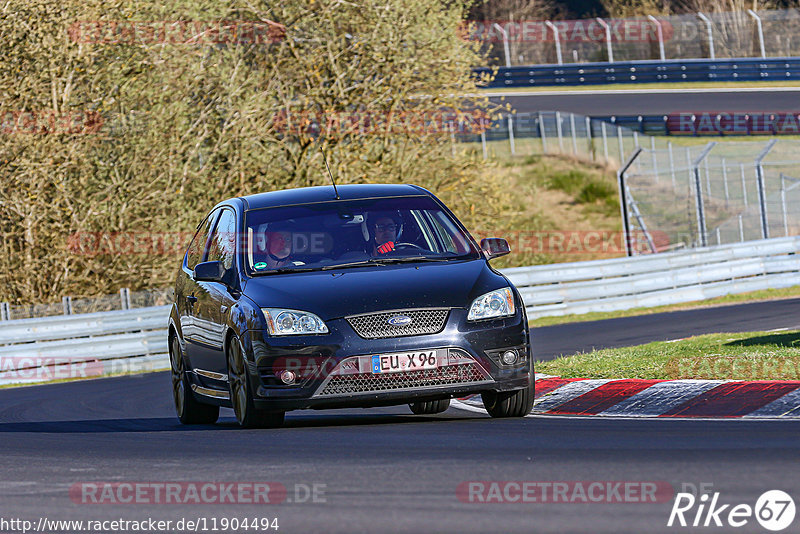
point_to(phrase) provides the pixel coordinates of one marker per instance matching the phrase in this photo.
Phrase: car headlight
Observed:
(498, 303)
(281, 322)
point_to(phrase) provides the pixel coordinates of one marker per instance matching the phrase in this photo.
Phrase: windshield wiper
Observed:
(382, 261)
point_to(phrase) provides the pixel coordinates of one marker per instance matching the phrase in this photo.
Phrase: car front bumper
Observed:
(332, 370)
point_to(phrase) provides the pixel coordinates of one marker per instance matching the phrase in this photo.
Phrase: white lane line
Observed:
(493, 94)
(778, 330)
(660, 397)
(786, 406)
(463, 406)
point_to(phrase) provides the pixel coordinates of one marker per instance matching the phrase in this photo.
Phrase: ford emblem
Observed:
(399, 320)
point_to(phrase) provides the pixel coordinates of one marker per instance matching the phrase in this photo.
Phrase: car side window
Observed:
(194, 254)
(223, 240)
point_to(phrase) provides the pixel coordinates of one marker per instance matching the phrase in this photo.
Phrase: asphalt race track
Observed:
(654, 101)
(384, 470)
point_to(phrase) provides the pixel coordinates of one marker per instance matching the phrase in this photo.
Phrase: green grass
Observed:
(748, 356)
(753, 296)
(641, 86)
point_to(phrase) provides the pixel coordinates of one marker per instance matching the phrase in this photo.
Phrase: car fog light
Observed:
(288, 377)
(509, 357)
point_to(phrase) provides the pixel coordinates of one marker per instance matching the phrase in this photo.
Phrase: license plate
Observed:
(408, 361)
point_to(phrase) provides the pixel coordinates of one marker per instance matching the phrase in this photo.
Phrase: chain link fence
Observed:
(733, 34)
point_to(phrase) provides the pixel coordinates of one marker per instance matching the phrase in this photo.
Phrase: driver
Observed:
(384, 227)
(274, 245)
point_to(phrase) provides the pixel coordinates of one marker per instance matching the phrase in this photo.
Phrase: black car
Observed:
(372, 295)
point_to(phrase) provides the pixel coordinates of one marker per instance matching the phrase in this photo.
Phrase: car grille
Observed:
(466, 374)
(376, 325)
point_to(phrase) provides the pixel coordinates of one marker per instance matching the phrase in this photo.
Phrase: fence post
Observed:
(623, 201)
(483, 145)
(699, 201)
(621, 147)
(505, 43)
(605, 140)
(5, 311)
(557, 35)
(660, 34)
(741, 229)
(744, 184)
(783, 205)
(66, 303)
(762, 194)
(725, 182)
(452, 139)
(542, 133)
(671, 165)
(708, 178)
(125, 298)
(589, 144)
(760, 31)
(511, 135)
(560, 133)
(607, 28)
(710, 34)
(655, 158)
(572, 131)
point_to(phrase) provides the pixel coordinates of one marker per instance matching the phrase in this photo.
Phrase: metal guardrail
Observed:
(83, 345)
(136, 341)
(658, 279)
(648, 71)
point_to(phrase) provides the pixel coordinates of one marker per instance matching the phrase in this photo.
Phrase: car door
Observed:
(213, 298)
(187, 291)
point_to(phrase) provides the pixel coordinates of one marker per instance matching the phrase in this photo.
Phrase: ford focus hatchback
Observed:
(372, 295)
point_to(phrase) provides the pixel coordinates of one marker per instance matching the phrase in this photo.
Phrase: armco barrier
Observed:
(83, 345)
(683, 70)
(658, 279)
(136, 340)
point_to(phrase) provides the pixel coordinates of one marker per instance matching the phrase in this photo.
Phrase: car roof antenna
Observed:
(329, 173)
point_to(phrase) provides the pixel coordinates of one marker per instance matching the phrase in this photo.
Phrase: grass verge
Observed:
(752, 296)
(747, 356)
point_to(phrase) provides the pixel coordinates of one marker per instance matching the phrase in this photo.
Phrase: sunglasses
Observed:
(385, 227)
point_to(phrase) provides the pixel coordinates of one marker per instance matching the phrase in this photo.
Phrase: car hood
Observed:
(343, 292)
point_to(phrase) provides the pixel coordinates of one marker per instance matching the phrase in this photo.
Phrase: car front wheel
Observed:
(189, 410)
(241, 396)
(509, 403)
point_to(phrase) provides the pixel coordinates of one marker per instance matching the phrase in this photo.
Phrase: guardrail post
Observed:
(511, 135)
(760, 31)
(66, 302)
(607, 28)
(542, 132)
(762, 194)
(572, 131)
(699, 203)
(5, 311)
(710, 34)
(125, 298)
(623, 201)
(560, 133)
(505, 43)
(671, 165)
(660, 34)
(557, 35)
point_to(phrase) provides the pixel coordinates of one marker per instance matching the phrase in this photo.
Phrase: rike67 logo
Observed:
(774, 510)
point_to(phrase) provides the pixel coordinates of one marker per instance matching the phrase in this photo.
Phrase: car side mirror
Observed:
(209, 271)
(494, 247)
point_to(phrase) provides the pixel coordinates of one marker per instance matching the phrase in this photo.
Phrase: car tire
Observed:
(516, 403)
(190, 411)
(429, 407)
(246, 412)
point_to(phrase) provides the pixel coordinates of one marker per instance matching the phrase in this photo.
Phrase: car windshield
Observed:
(340, 234)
